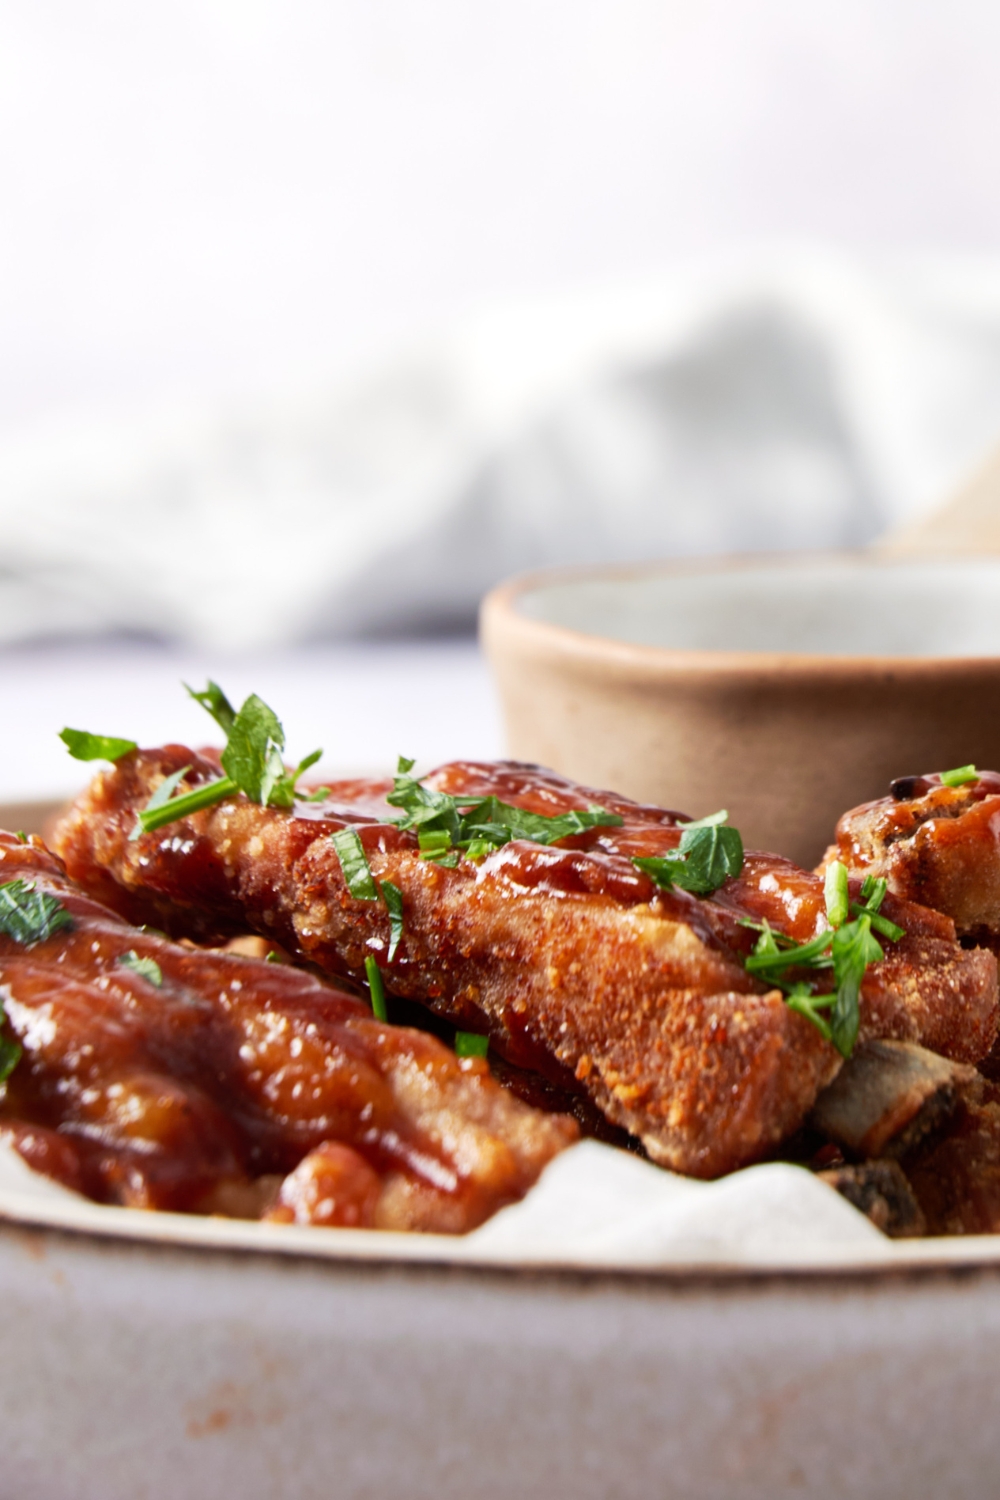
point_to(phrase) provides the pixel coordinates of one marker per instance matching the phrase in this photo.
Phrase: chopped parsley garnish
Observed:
(448, 826)
(353, 861)
(363, 886)
(146, 968)
(846, 946)
(85, 746)
(252, 756)
(377, 989)
(960, 776)
(838, 896)
(252, 761)
(158, 814)
(709, 853)
(393, 898)
(10, 1051)
(214, 701)
(471, 1044)
(28, 915)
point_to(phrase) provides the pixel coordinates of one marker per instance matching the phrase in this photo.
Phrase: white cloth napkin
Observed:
(596, 1201)
(808, 403)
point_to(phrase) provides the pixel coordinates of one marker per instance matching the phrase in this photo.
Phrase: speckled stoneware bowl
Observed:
(784, 689)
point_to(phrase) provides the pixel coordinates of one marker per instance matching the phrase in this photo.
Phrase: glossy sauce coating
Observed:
(203, 1087)
(934, 844)
(573, 960)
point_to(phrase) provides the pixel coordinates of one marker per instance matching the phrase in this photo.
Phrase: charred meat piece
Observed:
(881, 1191)
(887, 1097)
(935, 844)
(158, 1076)
(955, 1175)
(577, 965)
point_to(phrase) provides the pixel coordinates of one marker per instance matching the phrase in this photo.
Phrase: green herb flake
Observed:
(960, 776)
(707, 855)
(157, 815)
(435, 844)
(873, 891)
(846, 947)
(146, 968)
(878, 922)
(21, 836)
(470, 1044)
(320, 794)
(83, 745)
(29, 915)
(775, 953)
(486, 822)
(11, 1052)
(252, 757)
(214, 701)
(255, 740)
(354, 864)
(853, 949)
(838, 896)
(377, 989)
(393, 898)
(711, 820)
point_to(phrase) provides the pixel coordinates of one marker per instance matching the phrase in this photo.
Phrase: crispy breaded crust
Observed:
(569, 956)
(190, 1089)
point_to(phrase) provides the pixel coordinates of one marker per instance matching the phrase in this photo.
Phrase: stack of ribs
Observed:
(156, 1075)
(620, 1000)
(939, 845)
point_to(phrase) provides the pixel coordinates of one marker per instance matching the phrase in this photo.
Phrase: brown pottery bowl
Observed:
(784, 689)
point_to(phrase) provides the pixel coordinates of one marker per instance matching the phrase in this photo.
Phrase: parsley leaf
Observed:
(166, 789)
(150, 816)
(446, 825)
(710, 820)
(959, 776)
(85, 746)
(11, 1051)
(29, 915)
(434, 844)
(252, 761)
(838, 898)
(393, 898)
(377, 989)
(354, 863)
(146, 968)
(846, 947)
(853, 949)
(707, 855)
(214, 701)
(252, 757)
(471, 1044)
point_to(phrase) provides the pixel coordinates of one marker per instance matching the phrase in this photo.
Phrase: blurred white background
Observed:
(220, 195)
(317, 318)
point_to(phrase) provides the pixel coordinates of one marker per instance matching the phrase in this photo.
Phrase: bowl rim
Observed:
(499, 618)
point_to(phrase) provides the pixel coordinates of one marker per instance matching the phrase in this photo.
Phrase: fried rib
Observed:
(203, 1082)
(574, 962)
(935, 844)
